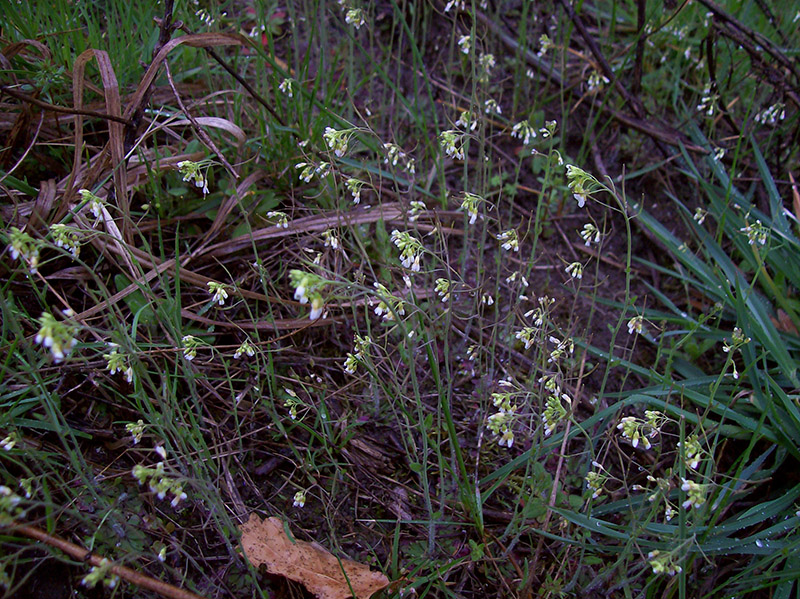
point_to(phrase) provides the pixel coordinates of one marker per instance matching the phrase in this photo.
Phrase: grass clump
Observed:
(496, 298)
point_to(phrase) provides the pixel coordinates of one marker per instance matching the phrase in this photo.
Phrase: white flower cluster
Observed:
(580, 183)
(509, 240)
(452, 141)
(195, 171)
(117, 362)
(361, 345)
(66, 237)
(56, 335)
(575, 270)
(395, 155)
(772, 114)
(467, 120)
(309, 170)
(25, 247)
(554, 410)
(95, 203)
(410, 249)
(245, 349)
(590, 234)
(595, 480)
(190, 345)
(524, 131)
(337, 140)
(756, 233)
(281, 218)
(218, 291)
(442, 289)
(470, 205)
(308, 287)
(389, 306)
(708, 102)
(355, 17)
(501, 423)
(354, 187)
(663, 563)
(101, 573)
(287, 87)
(159, 482)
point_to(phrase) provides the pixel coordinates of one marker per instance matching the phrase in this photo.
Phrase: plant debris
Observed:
(321, 572)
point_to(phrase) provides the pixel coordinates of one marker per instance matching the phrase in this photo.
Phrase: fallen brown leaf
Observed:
(322, 573)
(784, 323)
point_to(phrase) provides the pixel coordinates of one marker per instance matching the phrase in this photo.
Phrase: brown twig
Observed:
(756, 38)
(632, 100)
(79, 553)
(61, 109)
(657, 131)
(164, 35)
(242, 81)
(204, 138)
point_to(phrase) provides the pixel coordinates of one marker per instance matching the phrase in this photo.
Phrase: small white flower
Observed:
(700, 215)
(218, 292)
(95, 203)
(467, 120)
(287, 86)
(190, 345)
(195, 171)
(354, 17)
(452, 141)
(25, 247)
(136, 429)
(354, 187)
(590, 234)
(410, 249)
(636, 325)
(56, 335)
(509, 240)
(299, 499)
(10, 441)
(245, 349)
(458, 4)
(281, 218)
(317, 305)
(575, 270)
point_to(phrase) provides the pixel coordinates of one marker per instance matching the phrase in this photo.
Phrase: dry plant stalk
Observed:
(151, 584)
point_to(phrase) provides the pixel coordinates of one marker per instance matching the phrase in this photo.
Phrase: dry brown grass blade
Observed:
(216, 123)
(229, 203)
(10, 144)
(100, 307)
(795, 197)
(44, 202)
(277, 324)
(115, 130)
(319, 222)
(11, 50)
(196, 40)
